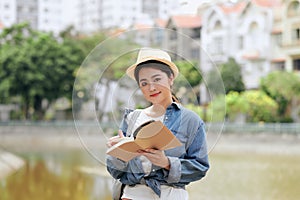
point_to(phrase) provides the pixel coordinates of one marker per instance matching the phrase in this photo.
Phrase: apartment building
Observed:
(182, 36)
(261, 35)
(8, 13)
(45, 15)
(27, 10)
(87, 16)
(56, 15)
(290, 34)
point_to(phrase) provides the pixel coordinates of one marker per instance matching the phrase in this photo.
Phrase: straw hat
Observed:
(146, 54)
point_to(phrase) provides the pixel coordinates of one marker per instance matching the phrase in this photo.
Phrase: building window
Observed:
(173, 35)
(217, 46)
(253, 35)
(279, 66)
(218, 26)
(296, 34)
(240, 42)
(294, 9)
(296, 64)
(277, 38)
(196, 33)
(195, 53)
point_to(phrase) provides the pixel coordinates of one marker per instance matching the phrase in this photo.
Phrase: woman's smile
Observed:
(155, 94)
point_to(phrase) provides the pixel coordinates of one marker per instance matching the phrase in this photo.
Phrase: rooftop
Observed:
(186, 21)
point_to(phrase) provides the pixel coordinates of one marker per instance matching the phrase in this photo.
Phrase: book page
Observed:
(124, 150)
(153, 135)
(161, 140)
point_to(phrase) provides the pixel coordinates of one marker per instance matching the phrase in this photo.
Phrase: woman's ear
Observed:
(171, 80)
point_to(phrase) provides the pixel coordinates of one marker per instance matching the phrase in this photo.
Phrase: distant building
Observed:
(51, 16)
(157, 36)
(27, 11)
(8, 12)
(242, 31)
(1, 26)
(56, 15)
(184, 38)
(87, 16)
(290, 42)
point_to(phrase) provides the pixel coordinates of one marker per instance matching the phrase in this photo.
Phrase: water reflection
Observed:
(52, 176)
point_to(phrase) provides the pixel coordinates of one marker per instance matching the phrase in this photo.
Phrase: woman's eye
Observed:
(157, 79)
(143, 84)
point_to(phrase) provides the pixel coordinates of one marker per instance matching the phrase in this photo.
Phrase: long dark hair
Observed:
(156, 65)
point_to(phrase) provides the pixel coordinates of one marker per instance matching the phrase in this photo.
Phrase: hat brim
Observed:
(131, 69)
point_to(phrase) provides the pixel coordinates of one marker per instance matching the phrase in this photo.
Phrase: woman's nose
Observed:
(152, 87)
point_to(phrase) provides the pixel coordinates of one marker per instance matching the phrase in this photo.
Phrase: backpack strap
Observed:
(132, 120)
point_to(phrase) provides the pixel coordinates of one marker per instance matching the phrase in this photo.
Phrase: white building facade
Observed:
(56, 15)
(8, 12)
(45, 15)
(87, 16)
(242, 31)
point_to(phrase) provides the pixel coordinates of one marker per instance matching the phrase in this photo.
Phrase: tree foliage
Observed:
(232, 76)
(284, 88)
(261, 106)
(36, 66)
(254, 104)
(236, 104)
(190, 74)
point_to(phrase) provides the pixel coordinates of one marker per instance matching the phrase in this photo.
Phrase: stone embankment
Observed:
(9, 163)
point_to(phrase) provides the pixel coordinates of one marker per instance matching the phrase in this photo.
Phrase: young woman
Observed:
(157, 174)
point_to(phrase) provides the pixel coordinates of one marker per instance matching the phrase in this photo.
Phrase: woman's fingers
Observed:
(115, 139)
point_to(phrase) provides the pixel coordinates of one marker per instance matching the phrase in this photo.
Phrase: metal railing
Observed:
(275, 128)
(279, 128)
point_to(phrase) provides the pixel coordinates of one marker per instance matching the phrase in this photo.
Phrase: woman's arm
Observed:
(194, 164)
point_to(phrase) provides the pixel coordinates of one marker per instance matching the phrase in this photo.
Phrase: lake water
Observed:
(57, 176)
(241, 168)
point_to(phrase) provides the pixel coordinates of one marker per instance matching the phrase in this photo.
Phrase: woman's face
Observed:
(156, 86)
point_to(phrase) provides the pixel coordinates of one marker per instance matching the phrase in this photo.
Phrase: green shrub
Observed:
(261, 106)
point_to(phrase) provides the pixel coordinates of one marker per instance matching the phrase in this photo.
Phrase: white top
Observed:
(142, 118)
(143, 192)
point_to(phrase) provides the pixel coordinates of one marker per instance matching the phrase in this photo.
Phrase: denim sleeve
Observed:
(128, 172)
(115, 166)
(194, 165)
(173, 175)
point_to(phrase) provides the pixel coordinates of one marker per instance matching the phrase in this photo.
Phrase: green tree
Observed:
(190, 74)
(232, 76)
(36, 66)
(284, 88)
(187, 84)
(261, 106)
(236, 104)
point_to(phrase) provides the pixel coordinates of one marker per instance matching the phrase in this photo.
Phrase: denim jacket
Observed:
(188, 162)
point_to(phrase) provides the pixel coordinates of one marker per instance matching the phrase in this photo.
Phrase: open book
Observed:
(152, 134)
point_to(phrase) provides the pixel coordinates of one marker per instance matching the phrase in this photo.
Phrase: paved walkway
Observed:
(9, 163)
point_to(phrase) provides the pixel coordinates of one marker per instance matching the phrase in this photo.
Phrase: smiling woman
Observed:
(155, 84)
(158, 174)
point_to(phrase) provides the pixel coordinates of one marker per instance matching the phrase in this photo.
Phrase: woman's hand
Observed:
(157, 157)
(114, 140)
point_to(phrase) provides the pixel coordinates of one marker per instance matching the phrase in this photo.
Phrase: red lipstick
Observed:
(155, 94)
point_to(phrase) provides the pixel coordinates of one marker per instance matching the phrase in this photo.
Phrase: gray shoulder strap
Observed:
(132, 120)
